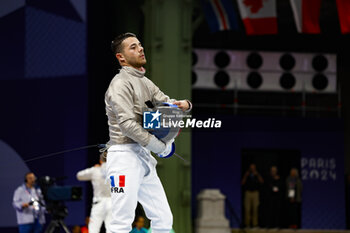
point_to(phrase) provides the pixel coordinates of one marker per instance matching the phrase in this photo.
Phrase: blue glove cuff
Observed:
(167, 153)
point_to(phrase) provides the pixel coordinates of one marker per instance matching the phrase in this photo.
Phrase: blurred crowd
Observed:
(271, 201)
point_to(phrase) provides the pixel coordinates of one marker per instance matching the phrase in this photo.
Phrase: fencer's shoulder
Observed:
(118, 85)
(120, 80)
(96, 167)
(147, 79)
(94, 171)
(149, 82)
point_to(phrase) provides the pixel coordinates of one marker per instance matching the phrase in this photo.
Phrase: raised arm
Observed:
(159, 96)
(85, 175)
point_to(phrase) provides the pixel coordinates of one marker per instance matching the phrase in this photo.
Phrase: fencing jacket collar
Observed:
(134, 72)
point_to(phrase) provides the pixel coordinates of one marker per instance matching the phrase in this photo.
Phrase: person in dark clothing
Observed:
(251, 182)
(274, 198)
(293, 191)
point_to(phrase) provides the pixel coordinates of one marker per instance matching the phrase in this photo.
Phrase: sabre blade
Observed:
(62, 152)
(180, 157)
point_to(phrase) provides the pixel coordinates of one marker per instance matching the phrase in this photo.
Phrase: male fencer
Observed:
(130, 165)
(101, 201)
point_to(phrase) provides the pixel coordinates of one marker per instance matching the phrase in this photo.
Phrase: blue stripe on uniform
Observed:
(112, 181)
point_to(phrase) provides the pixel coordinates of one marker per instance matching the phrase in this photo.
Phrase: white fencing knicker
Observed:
(100, 212)
(133, 176)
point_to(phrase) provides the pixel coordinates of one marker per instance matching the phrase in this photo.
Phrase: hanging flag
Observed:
(344, 15)
(220, 15)
(259, 16)
(307, 15)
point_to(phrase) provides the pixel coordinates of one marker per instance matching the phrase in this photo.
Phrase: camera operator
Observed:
(29, 205)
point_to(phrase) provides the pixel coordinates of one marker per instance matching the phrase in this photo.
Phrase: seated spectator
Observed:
(85, 229)
(138, 225)
(76, 229)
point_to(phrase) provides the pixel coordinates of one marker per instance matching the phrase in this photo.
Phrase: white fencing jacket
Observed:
(97, 176)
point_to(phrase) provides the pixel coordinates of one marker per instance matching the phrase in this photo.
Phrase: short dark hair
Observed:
(25, 176)
(117, 42)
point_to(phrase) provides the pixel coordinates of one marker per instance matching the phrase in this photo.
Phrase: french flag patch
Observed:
(121, 182)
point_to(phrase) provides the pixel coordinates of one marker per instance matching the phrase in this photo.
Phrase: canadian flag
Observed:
(307, 15)
(344, 15)
(259, 16)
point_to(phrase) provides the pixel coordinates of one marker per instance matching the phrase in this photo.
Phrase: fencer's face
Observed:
(132, 53)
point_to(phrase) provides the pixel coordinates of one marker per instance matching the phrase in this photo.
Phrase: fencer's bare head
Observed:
(116, 45)
(128, 50)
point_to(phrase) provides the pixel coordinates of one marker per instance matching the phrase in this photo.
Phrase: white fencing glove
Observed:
(161, 149)
(169, 150)
(155, 145)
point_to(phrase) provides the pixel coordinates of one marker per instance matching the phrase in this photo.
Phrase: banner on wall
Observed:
(323, 191)
(319, 169)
